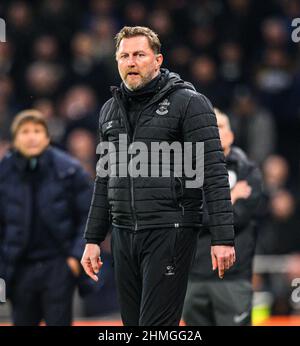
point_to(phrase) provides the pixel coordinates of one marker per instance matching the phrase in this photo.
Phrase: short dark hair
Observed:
(133, 31)
(26, 116)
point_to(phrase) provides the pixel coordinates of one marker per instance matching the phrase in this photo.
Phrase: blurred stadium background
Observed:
(59, 58)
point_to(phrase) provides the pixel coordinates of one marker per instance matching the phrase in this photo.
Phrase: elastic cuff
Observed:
(93, 241)
(222, 242)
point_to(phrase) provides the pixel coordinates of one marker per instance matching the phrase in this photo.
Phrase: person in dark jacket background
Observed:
(155, 219)
(228, 302)
(44, 201)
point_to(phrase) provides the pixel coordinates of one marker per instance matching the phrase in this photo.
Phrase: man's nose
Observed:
(131, 61)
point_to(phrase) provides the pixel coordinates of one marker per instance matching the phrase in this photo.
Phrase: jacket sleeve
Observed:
(82, 191)
(98, 221)
(244, 209)
(200, 125)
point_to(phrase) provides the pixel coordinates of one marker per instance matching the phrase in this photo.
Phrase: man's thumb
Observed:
(214, 262)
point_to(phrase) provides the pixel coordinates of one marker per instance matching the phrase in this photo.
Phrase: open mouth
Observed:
(132, 74)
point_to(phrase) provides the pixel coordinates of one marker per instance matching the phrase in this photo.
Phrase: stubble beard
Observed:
(144, 80)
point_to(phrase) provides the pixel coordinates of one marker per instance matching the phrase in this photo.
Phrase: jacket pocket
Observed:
(176, 236)
(177, 191)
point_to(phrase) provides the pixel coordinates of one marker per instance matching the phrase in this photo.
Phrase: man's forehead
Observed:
(29, 123)
(135, 43)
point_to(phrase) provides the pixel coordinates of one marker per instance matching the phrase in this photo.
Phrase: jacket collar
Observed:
(21, 162)
(50, 159)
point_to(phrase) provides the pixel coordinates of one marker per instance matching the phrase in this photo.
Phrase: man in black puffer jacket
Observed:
(155, 219)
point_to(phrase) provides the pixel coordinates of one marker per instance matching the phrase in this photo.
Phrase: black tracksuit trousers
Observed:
(151, 269)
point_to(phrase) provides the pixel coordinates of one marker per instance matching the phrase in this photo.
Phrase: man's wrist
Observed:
(93, 241)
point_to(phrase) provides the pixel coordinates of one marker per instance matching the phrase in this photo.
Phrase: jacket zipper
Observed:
(131, 184)
(131, 140)
(181, 189)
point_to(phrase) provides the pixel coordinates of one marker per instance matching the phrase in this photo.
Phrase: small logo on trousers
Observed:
(170, 270)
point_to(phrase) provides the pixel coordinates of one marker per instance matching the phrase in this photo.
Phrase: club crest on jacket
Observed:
(163, 107)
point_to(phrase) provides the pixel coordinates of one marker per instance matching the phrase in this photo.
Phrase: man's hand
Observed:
(223, 257)
(91, 260)
(241, 190)
(74, 265)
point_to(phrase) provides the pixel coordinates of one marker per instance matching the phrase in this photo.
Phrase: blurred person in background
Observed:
(276, 172)
(253, 125)
(46, 48)
(59, 18)
(277, 182)
(44, 199)
(135, 13)
(278, 233)
(43, 79)
(7, 110)
(204, 76)
(81, 145)
(84, 68)
(202, 39)
(210, 302)
(56, 124)
(6, 57)
(180, 57)
(79, 108)
(279, 236)
(232, 69)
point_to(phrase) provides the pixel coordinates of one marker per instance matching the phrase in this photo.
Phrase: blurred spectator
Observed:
(280, 236)
(276, 173)
(59, 18)
(231, 63)
(281, 233)
(81, 144)
(135, 13)
(6, 57)
(21, 27)
(82, 54)
(103, 31)
(56, 125)
(102, 7)
(84, 69)
(7, 106)
(46, 48)
(161, 22)
(43, 80)
(274, 33)
(253, 125)
(180, 57)
(79, 108)
(202, 39)
(204, 76)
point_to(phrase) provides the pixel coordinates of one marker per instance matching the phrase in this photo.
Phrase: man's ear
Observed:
(231, 137)
(159, 60)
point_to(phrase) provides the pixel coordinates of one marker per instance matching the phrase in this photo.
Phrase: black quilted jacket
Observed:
(176, 112)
